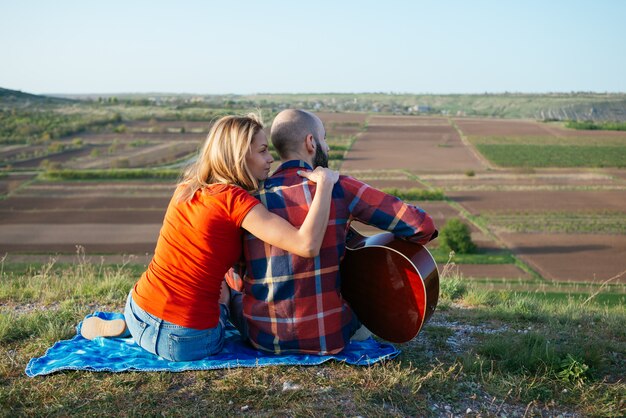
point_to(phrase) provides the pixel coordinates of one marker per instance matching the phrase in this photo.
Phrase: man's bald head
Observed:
(291, 127)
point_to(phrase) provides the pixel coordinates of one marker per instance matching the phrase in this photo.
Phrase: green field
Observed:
(549, 151)
(554, 155)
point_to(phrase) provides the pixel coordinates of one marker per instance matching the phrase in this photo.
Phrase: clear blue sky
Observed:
(243, 47)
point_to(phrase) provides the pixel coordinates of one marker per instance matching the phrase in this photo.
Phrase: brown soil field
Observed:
(368, 175)
(122, 138)
(342, 124)
(342, 118)
(401, 184)
(144, 156)
(441, 212)
(509, 127)
(82, 203)
(82, 234)
(340, 130)
(559, 257)
(69, 217)
(501, 127)
(135, 189)
(188, 125)
(480, 201)
(408, 120)
(420, 148)
(62, 158)
(162, 148)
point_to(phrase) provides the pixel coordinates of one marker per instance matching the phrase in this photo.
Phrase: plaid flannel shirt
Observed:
(291, 303)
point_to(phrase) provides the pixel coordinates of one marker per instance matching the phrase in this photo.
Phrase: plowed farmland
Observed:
(573, 216)
(579, 199)
(421, 145)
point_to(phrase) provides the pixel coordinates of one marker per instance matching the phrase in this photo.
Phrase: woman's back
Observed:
(199, 241)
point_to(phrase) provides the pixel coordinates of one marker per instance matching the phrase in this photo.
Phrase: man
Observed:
(294, 304)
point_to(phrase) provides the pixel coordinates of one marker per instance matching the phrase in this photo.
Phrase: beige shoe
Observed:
(97, 327)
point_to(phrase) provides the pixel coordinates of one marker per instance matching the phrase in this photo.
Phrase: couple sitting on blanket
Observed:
(284, 294)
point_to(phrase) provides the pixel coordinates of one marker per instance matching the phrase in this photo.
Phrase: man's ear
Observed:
(310, 144)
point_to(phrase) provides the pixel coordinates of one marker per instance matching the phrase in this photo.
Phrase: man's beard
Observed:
(320, 159)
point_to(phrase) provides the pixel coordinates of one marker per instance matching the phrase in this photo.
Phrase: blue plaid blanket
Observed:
(123, 354)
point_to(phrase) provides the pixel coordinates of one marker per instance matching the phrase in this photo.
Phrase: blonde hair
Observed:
(222, 158)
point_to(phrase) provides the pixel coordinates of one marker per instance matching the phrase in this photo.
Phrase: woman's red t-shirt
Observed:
(199, 241)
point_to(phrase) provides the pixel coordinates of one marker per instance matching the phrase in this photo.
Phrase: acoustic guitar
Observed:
(391, 284)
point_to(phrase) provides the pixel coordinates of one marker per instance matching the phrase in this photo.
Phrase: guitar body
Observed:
(392, 285)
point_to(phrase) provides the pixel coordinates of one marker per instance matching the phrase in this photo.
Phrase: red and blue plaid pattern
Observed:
(293, 304)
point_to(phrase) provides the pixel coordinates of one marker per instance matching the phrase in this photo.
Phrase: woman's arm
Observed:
(307, 240)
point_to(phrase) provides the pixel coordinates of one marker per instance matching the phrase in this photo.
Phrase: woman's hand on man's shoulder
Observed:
(321, 175)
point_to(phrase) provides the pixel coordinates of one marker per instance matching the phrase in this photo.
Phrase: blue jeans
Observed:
(170, 341)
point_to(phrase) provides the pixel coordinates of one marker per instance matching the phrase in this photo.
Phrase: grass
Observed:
(547, 348)
(495, 352)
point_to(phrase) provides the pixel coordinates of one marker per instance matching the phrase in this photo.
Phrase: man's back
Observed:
(293, 304)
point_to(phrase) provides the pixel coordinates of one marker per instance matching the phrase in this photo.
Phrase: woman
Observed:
(177, 309)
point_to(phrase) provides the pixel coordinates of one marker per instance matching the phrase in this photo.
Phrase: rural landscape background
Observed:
(504, 118)
(539, 179)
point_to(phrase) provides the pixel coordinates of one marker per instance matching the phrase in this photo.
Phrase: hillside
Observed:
(578, 106)
(17, 99)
